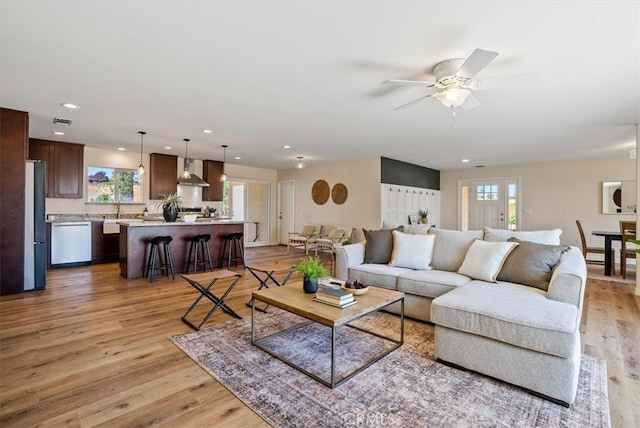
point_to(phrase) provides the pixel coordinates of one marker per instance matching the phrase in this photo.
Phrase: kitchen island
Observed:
(134, 238)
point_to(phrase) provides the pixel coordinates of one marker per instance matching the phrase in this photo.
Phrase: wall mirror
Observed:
(619, 197)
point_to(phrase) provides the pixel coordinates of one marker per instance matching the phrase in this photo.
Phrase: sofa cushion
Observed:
(451, 246)
(379, 246)
(413, 251)
(416, 228)
(531, 263)
(510, 313)
(550, 237)
(430, 283)
(377, 274)
(485, 259)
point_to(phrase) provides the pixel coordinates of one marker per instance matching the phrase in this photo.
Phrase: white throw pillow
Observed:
(485, 259)
(412, 251)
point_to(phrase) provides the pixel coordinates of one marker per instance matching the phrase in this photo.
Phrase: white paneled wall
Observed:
(398, 202)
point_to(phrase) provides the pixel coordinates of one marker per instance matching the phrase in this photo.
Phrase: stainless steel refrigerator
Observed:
(35, 232)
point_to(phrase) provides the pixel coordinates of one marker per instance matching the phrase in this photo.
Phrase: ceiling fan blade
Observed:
(408, 83)
(478, 60)
(410, 103)
(470, 103)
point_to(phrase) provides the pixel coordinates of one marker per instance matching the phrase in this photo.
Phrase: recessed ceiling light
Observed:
(167, 147)
(207, 131)
(122, 149)
(286, 147)
(465, 160)
(237, 158)
(70, 106)
(58, 133)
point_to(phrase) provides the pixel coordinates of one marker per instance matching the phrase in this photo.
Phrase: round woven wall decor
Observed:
(320, 192)
(339, 193)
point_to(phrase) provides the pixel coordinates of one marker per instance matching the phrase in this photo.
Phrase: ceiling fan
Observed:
(454, 81)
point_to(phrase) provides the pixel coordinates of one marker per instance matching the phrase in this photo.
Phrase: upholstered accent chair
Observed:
(334, 239)
(306, 238)
(594, 250)
(628, 250)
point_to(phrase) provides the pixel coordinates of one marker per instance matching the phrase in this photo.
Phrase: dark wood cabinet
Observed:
(163, 175)
(65, 167)
(14, 135)
(211, 173)
(97, 242)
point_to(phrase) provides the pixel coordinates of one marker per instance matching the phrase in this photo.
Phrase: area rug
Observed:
(405, 388)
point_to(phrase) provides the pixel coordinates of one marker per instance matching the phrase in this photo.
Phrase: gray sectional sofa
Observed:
(505, 304)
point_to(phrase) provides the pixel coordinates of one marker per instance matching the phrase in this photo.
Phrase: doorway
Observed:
(286, 211)
(250, 201)
(489, 203)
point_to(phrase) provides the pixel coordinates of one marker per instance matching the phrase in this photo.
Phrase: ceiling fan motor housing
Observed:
(445, 72)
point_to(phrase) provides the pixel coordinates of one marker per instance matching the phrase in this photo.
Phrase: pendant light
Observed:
(186, 173)
(223, 177)
(300, 164)
(141, 166)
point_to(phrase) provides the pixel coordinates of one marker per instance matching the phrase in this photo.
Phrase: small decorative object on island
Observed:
(311, 268)
(424, 216)
(170, 204)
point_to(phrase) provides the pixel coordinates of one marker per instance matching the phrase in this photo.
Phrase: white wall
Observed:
(362, 207)
(557, 193)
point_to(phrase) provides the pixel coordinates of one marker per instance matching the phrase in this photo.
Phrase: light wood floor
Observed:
(92, 350)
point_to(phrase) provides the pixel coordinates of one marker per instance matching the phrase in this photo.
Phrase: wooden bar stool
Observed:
(231, 250)
(199, 246)
(197, 280)
(163, 258)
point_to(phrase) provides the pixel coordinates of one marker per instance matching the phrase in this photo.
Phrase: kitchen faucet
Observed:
(118, 209)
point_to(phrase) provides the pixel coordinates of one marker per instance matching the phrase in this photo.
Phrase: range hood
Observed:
(192, 180)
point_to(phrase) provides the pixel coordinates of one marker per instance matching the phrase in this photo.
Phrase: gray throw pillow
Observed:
(531, 264)
(379, 245)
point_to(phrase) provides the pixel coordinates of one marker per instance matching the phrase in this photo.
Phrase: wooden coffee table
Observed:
(291, 298)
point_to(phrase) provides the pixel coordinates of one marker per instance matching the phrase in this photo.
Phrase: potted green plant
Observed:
(171, 205)
(424, 215)
(310, 268)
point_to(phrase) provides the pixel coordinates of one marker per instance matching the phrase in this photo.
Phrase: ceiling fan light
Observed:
(453, 97)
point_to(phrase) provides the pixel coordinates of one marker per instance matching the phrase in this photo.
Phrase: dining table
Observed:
(609, 236)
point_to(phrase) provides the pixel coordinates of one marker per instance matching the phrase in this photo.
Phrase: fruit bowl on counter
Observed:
(189, 217)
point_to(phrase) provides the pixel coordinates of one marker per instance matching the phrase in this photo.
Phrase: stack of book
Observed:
(335, 297)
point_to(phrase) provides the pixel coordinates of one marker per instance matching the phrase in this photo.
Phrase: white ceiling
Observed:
(263, 74)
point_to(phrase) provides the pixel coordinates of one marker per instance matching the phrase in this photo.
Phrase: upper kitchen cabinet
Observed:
(211, 173)
(163, 175)
(65, 164)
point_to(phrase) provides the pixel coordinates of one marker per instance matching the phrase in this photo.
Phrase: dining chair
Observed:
(594, 250)
(628, 231)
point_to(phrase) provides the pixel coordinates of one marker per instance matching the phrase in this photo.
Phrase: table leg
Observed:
(607, 256)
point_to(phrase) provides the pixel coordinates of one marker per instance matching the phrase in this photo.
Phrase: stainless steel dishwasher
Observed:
(70, 243)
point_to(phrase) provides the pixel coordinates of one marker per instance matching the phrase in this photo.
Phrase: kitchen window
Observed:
(114, 185)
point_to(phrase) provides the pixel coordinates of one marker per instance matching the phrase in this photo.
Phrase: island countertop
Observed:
(135, 235)
(155, 223)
